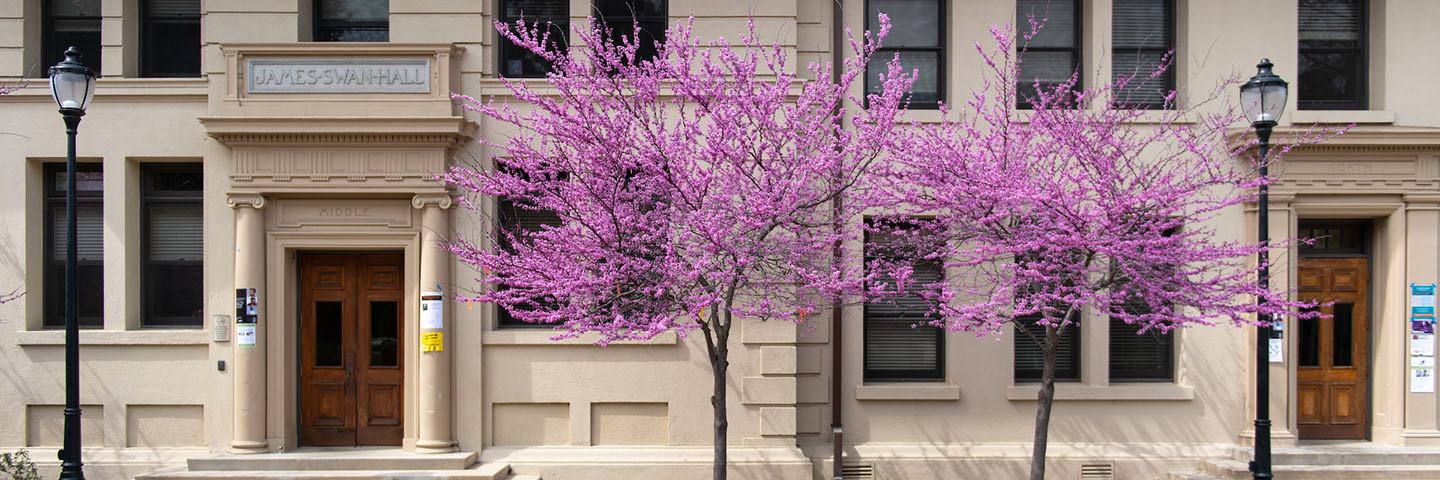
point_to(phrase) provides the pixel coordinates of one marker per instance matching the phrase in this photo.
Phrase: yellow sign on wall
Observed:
(432, 342)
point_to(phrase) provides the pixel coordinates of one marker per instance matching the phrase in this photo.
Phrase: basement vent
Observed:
(1097, 471)
(857, 472)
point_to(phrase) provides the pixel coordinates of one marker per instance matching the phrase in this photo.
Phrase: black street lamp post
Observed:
(72, 85)
(1263, 99)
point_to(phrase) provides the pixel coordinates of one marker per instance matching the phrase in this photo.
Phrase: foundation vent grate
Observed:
(1097, 471)
(857, 472)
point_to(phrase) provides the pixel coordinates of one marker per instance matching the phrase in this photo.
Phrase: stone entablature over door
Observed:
(324, 79)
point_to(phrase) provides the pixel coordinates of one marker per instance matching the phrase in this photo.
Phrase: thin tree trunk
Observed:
(719, 350)
(1046, 397)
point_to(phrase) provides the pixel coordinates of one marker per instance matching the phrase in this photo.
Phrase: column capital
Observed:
(252, 200)
(1422, 200)
(422, 200)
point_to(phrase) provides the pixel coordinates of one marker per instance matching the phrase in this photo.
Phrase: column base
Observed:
(435, 446)
(1279, 438)
(246, 447)
(1420, 437)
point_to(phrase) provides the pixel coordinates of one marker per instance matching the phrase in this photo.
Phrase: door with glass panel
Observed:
(351, 373)
(1331, 353)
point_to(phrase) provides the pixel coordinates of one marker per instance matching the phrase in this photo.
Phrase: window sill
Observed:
(542, 337)
(1118, 392)
(907, 392)
(116, 337)
(1342, 117)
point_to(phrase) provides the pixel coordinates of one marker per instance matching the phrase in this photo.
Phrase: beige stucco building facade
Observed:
(309, 188)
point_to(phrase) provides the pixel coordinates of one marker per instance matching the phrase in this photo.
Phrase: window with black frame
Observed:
(172, 245)
(71, 23)
(518, 219)
(170, 40)
(1135, 356)
(652, 16)
(1334, 238)
(352, 20)
(1028, 357)
(518, 62)
(917, 34)
(89, 245)
(1333, 48)
(1052, 55)
(1143, 34)
(899, 344)
(1030, 361)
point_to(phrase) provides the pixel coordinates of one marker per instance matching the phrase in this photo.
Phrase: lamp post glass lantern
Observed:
(73, 86)
(1263, 100)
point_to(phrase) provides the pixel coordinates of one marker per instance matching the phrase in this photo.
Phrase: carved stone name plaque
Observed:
(321, 75)
(349, 212)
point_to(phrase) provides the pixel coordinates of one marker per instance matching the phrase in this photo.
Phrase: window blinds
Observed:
(89, 233)
(1030, 362)
(1135, 356)
(897, 342)
(1142, 37)
(172, 8)
(1330, 20)
(176, 233)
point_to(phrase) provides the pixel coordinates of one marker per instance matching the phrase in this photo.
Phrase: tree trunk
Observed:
(722, 424)
(1046, 397)
(719, 348)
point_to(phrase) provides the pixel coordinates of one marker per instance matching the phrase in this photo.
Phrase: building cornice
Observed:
(257, 131)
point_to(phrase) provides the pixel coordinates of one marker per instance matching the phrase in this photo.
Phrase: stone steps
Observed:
(338, 464)
(1344, 454)
(180, 473)
(337, 459)
(1236, 470)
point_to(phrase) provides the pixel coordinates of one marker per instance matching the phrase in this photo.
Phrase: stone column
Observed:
(1422, 226)
(436, 432)
(249, 361)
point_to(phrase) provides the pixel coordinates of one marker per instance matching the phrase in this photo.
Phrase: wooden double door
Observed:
(352, 355)
(1333, 353)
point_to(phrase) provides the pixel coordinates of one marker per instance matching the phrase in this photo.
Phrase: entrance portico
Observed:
(1387, 180)
(362, 182)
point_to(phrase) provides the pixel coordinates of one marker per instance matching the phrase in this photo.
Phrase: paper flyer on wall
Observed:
(432, 342)
(1422, 344)
(1422, 374)
(245, 335)
(432, 313)
(1277, 346)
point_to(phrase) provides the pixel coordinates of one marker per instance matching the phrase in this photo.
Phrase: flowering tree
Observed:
(690, 190)
(1039, 215)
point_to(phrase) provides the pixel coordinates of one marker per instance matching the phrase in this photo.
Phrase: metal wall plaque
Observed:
(319, 75)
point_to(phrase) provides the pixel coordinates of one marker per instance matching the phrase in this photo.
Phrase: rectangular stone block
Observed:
(812, 37)
(809, 359)
(12, 32)
(813, 389)
(629, 424)
(164, 426)
(252, 6)
(809, 420)
(777, 421)
(44, 425)
(740, 9)
(777, 360)
(250, 27)
(772, 331)
(767, 390)
(531, 423)
(437, 6)
(438, 28)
